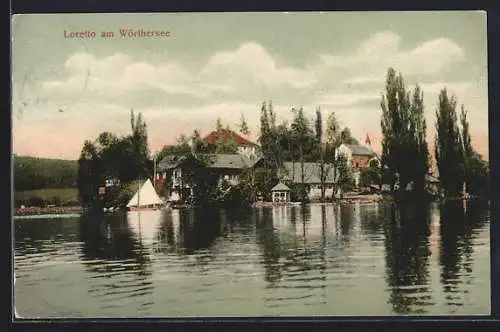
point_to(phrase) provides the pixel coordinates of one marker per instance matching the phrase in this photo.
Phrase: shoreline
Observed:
(62, 210)
(346, 199)
(30, 211)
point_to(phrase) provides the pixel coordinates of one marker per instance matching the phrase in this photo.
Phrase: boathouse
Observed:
(179, 172)
(292, 171)
(280, 193)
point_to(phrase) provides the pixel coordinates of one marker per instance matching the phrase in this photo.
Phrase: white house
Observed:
(358, 156)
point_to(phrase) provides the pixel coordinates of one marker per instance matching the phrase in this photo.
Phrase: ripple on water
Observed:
(355, 267)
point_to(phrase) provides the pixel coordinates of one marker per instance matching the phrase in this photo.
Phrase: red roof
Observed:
(225, 135)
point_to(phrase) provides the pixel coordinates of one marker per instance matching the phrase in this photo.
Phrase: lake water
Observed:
(353, 259)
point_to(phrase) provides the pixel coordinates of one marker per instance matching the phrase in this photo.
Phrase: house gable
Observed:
(226, 135)
(360, 150)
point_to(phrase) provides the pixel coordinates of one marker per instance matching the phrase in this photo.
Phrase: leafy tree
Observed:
(448, 147)
(174, 150)
(228, 145)
(467, 150)
(333, 130)
(41, 173)
(346, 137)
(478, 177)
(325, 152)
(139, 149)
(197, 143)
(88, 179)
(345, 179)
(476, 170)
(111, 158)
(301, 133)
(218, 126)
(370, 175)
(269, 138)
(318, 125)
(244, 126)
(418, 149)
(404, 145)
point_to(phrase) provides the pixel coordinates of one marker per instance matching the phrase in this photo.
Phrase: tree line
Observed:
(32, 173)
(304, 140)
(120, 160)
(405, 158)
(405, 155)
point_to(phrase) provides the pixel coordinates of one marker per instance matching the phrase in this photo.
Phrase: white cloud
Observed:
(121, 73)
(348, 99)
(248, 66)
(383, 50)
(381, 43)
(250, 69)
(251, 63)
(235, 81)
(457, 88)
(367, 79)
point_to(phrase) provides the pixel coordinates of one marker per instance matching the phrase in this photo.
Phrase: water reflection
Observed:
(407, 231)
(108, 238)
(32, 236)
(458, 223)
(112, 253)
(200, 228)
(269, 240)
(343, 259)
(293, 242)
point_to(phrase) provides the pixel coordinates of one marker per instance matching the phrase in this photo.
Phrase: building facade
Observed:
(358, 157)
(244, 146)
(292, 172)
(178, 172)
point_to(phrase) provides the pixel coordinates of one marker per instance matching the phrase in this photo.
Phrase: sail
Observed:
(145, 196)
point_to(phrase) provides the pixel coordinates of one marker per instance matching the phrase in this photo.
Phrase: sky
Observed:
(67, 90)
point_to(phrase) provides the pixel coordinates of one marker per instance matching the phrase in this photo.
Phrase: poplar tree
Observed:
(323, 171)
(468, 151)
(333, 141)
(244, 126)
(404, 144)
(301, 132)
(448, 146)
(332, 130)
(394, 129)
(218, 125)
(418, 147)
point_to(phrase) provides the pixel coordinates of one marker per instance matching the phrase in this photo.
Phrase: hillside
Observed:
(40, 173)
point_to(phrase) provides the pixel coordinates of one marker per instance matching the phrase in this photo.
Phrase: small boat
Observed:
(145, 198)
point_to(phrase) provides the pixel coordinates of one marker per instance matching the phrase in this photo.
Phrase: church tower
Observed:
(367, 141)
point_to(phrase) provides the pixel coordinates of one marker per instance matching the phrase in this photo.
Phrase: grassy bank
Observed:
(49, 196)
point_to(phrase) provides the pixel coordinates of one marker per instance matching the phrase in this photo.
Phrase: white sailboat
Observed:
(145, 198)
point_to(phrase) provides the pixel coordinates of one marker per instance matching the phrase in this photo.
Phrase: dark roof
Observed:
(224, 161)
(225, 135)
(280, 187)
(229, 161)
(360, 150)
(312, 172)
(174, 161)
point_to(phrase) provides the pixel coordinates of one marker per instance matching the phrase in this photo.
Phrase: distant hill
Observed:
(40, 173)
